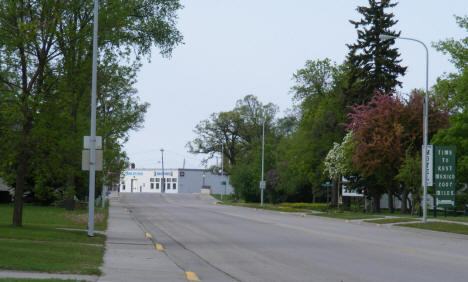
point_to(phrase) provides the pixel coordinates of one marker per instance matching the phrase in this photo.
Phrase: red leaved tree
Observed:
(384, 129)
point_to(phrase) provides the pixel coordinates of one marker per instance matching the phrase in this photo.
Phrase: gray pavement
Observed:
(130, 255)
(227, 243)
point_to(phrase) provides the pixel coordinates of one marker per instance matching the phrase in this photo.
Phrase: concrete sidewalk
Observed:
(130, 256)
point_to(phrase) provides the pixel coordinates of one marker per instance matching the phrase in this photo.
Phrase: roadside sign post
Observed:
(427, 174)
(327, 185)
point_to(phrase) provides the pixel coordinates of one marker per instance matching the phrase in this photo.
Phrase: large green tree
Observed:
(452, 91)
(45, 67)
(372, 63)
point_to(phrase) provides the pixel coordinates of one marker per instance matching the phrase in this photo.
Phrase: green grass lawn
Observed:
(36, 280)
(40, 246)
(440, 226)
(392, 220)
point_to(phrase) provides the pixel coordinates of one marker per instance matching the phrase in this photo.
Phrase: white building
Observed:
(151, 180)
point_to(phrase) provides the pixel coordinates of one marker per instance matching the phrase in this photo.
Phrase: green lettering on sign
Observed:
(445, 181)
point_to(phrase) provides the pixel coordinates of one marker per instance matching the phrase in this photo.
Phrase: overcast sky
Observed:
(235, 48)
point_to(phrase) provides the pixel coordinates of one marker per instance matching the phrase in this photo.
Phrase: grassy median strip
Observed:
(440, 226)
(348, 215)
(41, 246)
(282, 207)
(392, 220)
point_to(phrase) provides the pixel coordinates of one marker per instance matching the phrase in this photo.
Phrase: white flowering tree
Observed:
(338, 160)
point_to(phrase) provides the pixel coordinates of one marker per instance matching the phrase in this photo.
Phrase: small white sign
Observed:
(87, 142)
(262, 184)
(85, 162)
(427, 165)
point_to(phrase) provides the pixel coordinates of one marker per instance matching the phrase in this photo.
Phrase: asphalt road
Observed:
(226, 243)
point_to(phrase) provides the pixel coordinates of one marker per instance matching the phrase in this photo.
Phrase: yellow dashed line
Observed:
(148, 235)
(303, 214)
(191, 276)
(409, 251)
(159, 247)
(378, 224)
(347, 221)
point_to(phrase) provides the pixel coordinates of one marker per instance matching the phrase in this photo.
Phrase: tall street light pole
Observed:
(425, 116)
(263, 160)
(163, 183)
(222, 169)
(92, 151)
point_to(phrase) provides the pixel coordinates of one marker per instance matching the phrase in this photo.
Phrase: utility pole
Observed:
(92, 154)
(425, 122)
(262, 185)
(222, 169)
(163, 183)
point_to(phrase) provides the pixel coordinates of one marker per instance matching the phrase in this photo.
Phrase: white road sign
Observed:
(87, 142)
(85, 160)
(427, 165)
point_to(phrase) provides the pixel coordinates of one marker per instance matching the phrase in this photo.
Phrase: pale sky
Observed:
(235, 48)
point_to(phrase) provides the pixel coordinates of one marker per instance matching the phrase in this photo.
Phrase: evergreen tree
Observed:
(372, 63)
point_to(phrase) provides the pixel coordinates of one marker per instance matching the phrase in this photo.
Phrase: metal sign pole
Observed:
(263, 159)
(92, 157)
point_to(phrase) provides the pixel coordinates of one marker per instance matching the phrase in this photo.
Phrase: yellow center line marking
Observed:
(159, 247)
(191, 276)
(148, 235)
(303, 214)
(409, 251)
(125, 209)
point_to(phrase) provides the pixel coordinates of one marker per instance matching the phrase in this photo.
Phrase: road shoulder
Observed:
(130, 256)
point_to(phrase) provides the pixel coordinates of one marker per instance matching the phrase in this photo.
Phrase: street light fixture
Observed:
(425, 115)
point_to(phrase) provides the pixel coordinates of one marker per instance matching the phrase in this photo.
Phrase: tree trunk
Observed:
(334, 193)
(404, 200)
(390, 200)
(376, 204)
(19, 191)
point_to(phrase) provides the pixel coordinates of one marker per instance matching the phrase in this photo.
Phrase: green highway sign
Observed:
(445, 176)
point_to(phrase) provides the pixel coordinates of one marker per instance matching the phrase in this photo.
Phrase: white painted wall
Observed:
(149, 181)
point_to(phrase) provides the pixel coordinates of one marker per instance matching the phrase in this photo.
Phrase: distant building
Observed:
(4, 187)
(178, 180)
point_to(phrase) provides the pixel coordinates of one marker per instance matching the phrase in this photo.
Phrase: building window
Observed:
(152, 185)
(151, 179)
(174, 179)
(157, 185)
(174, 186)
(168, 180)
(158, 179)
(168, 186)
(123, 187)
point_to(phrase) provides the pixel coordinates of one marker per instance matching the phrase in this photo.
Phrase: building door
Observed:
(133, 185)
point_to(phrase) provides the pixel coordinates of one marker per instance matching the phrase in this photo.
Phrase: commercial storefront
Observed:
(173, 181)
